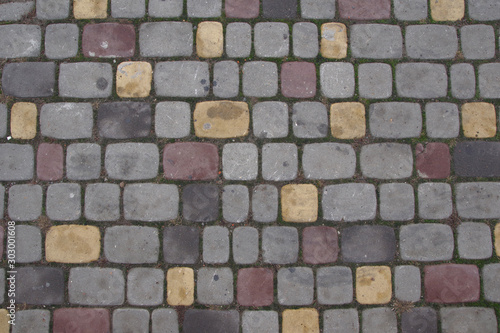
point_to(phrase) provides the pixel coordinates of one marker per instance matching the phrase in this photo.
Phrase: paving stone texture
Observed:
(249, 166)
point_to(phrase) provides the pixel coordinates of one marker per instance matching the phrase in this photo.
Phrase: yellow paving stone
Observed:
(447, 10)
(347, 120)
(299, 203)
(90, 9)
(497, 239)
(23, 120)
(133, 79)
(373, 285)
(4, 320)
(333, 40)
(221, 119)
(209, 40)
(180, 286)
(301, 321)
(479, 120)
(73, 244)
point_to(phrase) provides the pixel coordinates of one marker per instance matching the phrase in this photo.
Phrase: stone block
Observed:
(431, 41)
(49, 162)
(159, 8)
(131, 160)
(426, 242)
(93, 319)
(260, 79)
(333, 44)
(209, 39)
(463, 81)
(491, 278)
(63, 202)
(379, 320)
(221, 119)
(23, 120)
(447, 10)
(300, 320)
(83, 161)
(90, 9)
(131, 244)
(375, 80)
(479, 120)
(215, 245)
(474, 240)
(376, 41)
(483, 10)
(270, 120)
(204, 8)
(279, 9)
(489, 87)
(280, 245)
(397, 202)
(102, 202)
(407, 283)
(421, 318)
(166, 39)
(238, 39)
(386, 160)
(3, 120)
(260, 321)
(478, 41)
(434, 201)
(305, 40)
(295, 286)
(421, 80)
(61, 40)
(334, 285)
(180, 286)
(72, 244)
(151, 202)
(181, 244)
(226, 79)
(32, 321)
(245, 9)
(265, 203)
(298, 79)
(347, 120)
(40, 285)
(410, 10)
(328, 161)
(235, 203)
(15, 11)
(29, 79)
(340, 320)
(85, 80)
(442, 120)
(468, 318)
(255, 287)
(395, 120)
(67, 120)
(337, 79)
(133, 79)
(215, 286)
(136, 320)
(279, 161)
(349, 202)
(164, 320)
(299, 203)
(433, 160)
(368, 244)
(245, 245)
(240, 161)
(25, 202)
(309, 120)
(172, 120)
(314, 9)
(28, 244)
(451, 283)
(108, 40)
(128, 8)
(476, 159)
(319, 245)
(363, 10)
(182, 79)
(190, 161)
(200, 203)
(211, 321)
(374, 285)
(479, 200)
(20, 40)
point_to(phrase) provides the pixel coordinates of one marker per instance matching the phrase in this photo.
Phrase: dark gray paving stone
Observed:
(468, 319)
(334, 285)
(226, 81)
(166, 39)
(349, 202)
(305, 38)
(479, 200)
(421, 80)
(434, 201)
(128, 8)
(160, 8)
(310, 120)
(36, 321)
(240, 161)
(337, 79)
(235, 203)
(476, 159)
(3, 120)
(484, 10)
(478, 41)
(132, 161)
(131, 320)
(151, 202)
(379, 320)
(164, 320)
(29, 79)
(102, 202)
(340, 320)
(39, 285)
(200, 203)
(28, 244)
(182, 79)
(271, 39)
(421, 319)
(260, 79)
(474, 240)
(52, 9)
(280, 245)
(395, 120)
(463, 81)
(204, 8)
(20, 40)
(25, 202)
(328, 161)
(442, 120)
(407, 283)
(317, 9)
(238, 39)
(279, 161)
(85, 80)
(431, 41)
(426, 242)
(215, 286)
(145, 286)
(368, 244)
(491, 279)
(131, 244)
(61, 40)
(15, 11)
(489, 86)
(67, 120)
(270, 120)
(279, 9)
(265, 203)
(386, 160)
(181, 244)
(375, 80)
(245, 245)
(215, 245)
(397, 202)
(260, 321)
(410, 10)
(96, 286)
(172, 119)
(63, 202)
(83, 161)
(16, 162)
(376, 41)
(211, 321)
(295, 286)
(124, 120)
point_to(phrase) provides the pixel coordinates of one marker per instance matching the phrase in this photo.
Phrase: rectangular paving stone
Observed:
(190, 161)
(386, 160)
(421, 318)
(434, 201)
(211, 321)
(483, 10)
(151, 202)
(29, 79)
(265, 203)
(102, 202)
(260, 79)
(298, 320)
(49, 162)
(23, 118)
(410, 10)
(240, 161)
(364, 10)
(490, 276)
(96, 286)
(478, 41)
(317, 9)
(52, 9)
(333, 44)
(279, 161)
(131, 244)
(136, 320)
(200, 202)
(172, 119)
(209, 39)
(20, 40)
(447, 10)
(374, 286)
(479, 200)
(376, 41)
(182, 79)
(238, 39)
(28, 244)
(245, 245)
(340, 320)
(298, 79)
(463, 81)
(375, 80)
(407, 283)
(295, 286)
(279, 9)
(166, 39)
(63, 202)
(124, 120)
(204, 8)
(397, 202)
(215, 286)
(226, 79)
(215, 245)
(66, 120)
(379, 320)
(489, 87)
(260, 321)
(474, 240)
(299, 203)
(15, 11)
(164, 320)
(442, 120)
(131, 161)
(61, 40)
(235, 203)
(221, 119)
(181, 244)
(280, 245)
(72, 244)
(90, 9)
(431, 41)
(421, 80)
(426, 242)
(40, 285)
(349, 202)
(32, 321)
(242, 8)
(94, 319)
(451, 283)
(271, 39)
(334, 285)
(470, 318)
(395, 120)
(270, 119)
(328, 160)
(159, 8)
(85, 80)
(337, 79)
(476, 159)
(83, 161)
(180, 286)
(305, 39)
(128, 9)
(368, 244)
(25, 202)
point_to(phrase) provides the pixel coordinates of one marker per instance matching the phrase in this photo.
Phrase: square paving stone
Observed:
(328, 160)
(478, 200)
(209, 39)
(49, 162)
(221, 119)
(299, 203)
(410, 10)
(240, 161)
(20, 40)
(245, 9)
(317, 9)
(36, 321)
(245, 245)
(379, 320)
(474, 319)
(215, 245)
(67, 120)
(181, 244)
(92, 319)
(426, 242)
(132, 320)
(319, 245)
(349, 202)
(104, 40)
(451, 283)
(434, 201)
(160, 8)
(28, 243)
(260, 79)
(166, 39)
(295, 286)
(397, 202)
(200, 202)
(407, 283)
(226, 79)
(347, 120)
(279, 9)
(368, 244)
(215, 286)
(63, 202)
(365, 9)
(421, 80)
(305, 40)
(90, 9)
(334, 285)
(190, 161)
(386, 160)
(280, 245)
(182, 79)
(83, 161)
(483, 10)
(260, 321)
(133, 79)
(491, 279)
(431, 41)
(102, 202)
(301, 320)
(238, 39)
(479, 120)
(340, 320)
(478, 41)
(180, 286)
(463, 81)
(337, 79)
(204, 8)
(128, 9)
(96, 286)
(61, 40)
(23, 120)
(270, 120)
(164, 320)
(25, 202)
(131, 244)
(395, 120)
(131, 160)
(333, 40)
(421, 319)
(172, 119)
(373, 285)
(279, 161)
(298, 79)
(474, 240)
(235, 203)
(39, 285)
(151, 202)
(375, 80)
(73, 243)
(85, 80)
(265, 203)
(442, 120)
(433, 160)
(447, 10)
(29, 79)
(376, 41)
(309, 120)
(211, 321)
(255, 287)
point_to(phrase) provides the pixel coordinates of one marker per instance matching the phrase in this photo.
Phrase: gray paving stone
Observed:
(305, 38)
(375, 80)
(434, 201)
(421, 319)
(310, 120)
(426, 242)
(85, 80)
(20, 40)
(83, 161)
(279, 9)
(166, 39)
(240, 161)
(61, 40)
(3, 120)
(215, 286)
(67, 120)
(238, 39)
(349, 202)
(463, 81)
(337, 79)
(131, 244)
(397, 202)
(145, 286)
(317, 9)
(151, 202)
(270, 120)
(211, 321)
(431, 41)
(328, 161)
(35, 321)
(489, 85)
(28, 244)
(341, 320)
(295, 286)
(160, 8)
(15, 11)
(260, 79)
(172, 120)
(181, 244)
(102, 202)
(334, 285)
(2, 201)
(479, 200)
(52, 9)
(260, 321)
(204, 8)
(280, 245)
(368, 244)
(410, 10)
(215, 245)
(16, 162)
(386, 160)
(442, 120)
(395, 120)
(96, 286)
(235, 203)
(132, 161)
(468, 319)
(200, 203)
(484, 10)
(39, 285)
(128, 8)
(130, 320)
(226, 82)
(265, 203)
(421, 80)
(25, 202)
(164, 320)
(63, 202)
(474, 240)
(279, 161)
(376, 41)
(491, 279)
(2, 285)
(379, 320)
(245, 245)
(478, 41)
(271, 39)
(29, 79)
(123, 120)
(182, 79)
(407, 283)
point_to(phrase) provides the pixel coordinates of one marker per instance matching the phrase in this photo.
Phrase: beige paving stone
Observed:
(221, 119)
(209, 40)
(479, 120)
(133, 79)
(333, 40)
(497, 239)
(299, 203)
(90, 9)
(373, 285)
(23, 120)
(301, 321)
(347, 120)
(180, 286)
(4, 320)
(447, 10)
(73, 244)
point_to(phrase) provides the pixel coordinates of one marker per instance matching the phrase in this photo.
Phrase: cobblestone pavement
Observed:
(250, 166)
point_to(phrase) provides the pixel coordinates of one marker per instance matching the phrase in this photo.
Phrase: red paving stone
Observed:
(298, 79)
(242, 8)
(108, 40)
(365, 9)
(320, 245)
(451, 283)
(81, 320)
(191, 161)
(433, 160)
(49, 162)
(255, 287)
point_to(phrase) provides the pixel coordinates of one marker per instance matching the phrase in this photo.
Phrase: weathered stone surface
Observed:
(102, 202)
(433, 160)
(49, 162)
(434, 201)
(340, 320)
(66, 120)
(333, 40)
(215, 245)
(92, 319)
(380, 320)
(242, 8)
(463, 81)
(265, 203)
(483, 10)
(317, 9)
(309, 120)
(295, 286)
(349, 202)
(489, 87)
(328, 161)
(376, 41)
(238, 39)
(15, 11)
(108, 40)
(164, 320)
(124, 120)
(72, 244)
(375, 80)
(29, 79)
(479, 120)
(260, 79)
(334, 285)
(245, 245)
(442, 120)
(172, 119)
(63, 202)
(235, 203)
(397, 202)
(395, 120)
(32, 320)
(319, 245)
(451, 283)
(255, 287)
(215, 286)
(180, 286)
(476, 159)
(166, 39)
(204, 8)
(305, 40)
(182, 79)
(368, 244)
(90, 9)
(279, 9)
(421, 80)
(85, 80)
(20, 40)
(299, 203)
(200, 202)
(410, 10)
(279, 161)
(240, 161)
(209, 40)
(301, 320)
(159, 8)
(298, 79)
(131, 244)
(365, 10)
(426, 242)
(474, 240)
(431, 41)
(131, 161)
(260, 321)
(407, 283)
(39, 285)
(190, 161)
(271, 39)
(497, 239)
(373, 284)
(151, 202)
(28, 243)
(420, 319)
(226, 79)
(347, 120)
(181, 244)
(83, 161)
(478, 41)
(23, 122)
(133, 79)
(136, 320)
(386, 160)
(270, 120)
(447, 10)
(221, 119)
(211, 321)
(468, 318)
(491, 277)
(280, 245)
(479, 200)
(3, 120)
(25, 202)
(337, 79)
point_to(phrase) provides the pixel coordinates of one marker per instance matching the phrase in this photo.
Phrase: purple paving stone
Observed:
(319, 245)
(365, 9)
(40, 285)
(451, 283)
(93, 320)
(298, 79)
(191, 161)
(49, 162)
(245, 9)
(124, 120)
(108, 40)
(200, 202)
